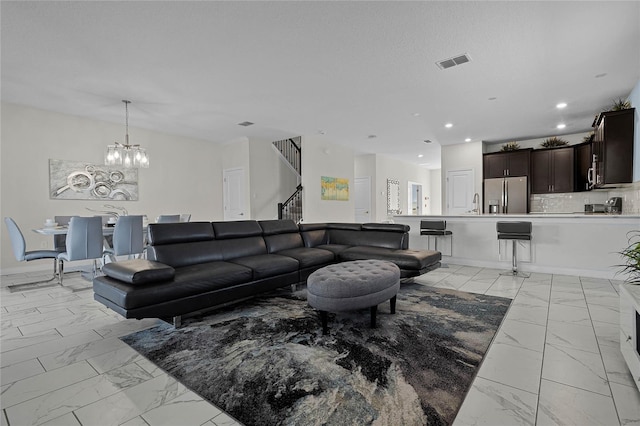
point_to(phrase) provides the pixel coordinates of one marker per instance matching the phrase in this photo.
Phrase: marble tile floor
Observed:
(554, 361)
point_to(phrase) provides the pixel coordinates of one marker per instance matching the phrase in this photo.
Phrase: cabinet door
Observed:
(540, 172)
(494, 165)
(618, 146)
(582, 155)
(518, 163)
(562, 170)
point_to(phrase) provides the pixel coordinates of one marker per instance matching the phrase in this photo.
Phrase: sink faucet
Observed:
(476, 203)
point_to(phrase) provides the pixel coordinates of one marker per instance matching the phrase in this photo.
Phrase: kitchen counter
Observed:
(562, 243)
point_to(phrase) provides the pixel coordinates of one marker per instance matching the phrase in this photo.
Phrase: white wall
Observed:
(321, 158)
(390, 168)
(176, 182)
(435, 200)
(272, 181)
(461, 157)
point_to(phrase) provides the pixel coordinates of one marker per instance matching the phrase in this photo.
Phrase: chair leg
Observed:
(60, 270)
(34, 284)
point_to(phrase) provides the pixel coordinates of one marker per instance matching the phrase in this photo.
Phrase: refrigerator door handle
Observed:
(506, 197)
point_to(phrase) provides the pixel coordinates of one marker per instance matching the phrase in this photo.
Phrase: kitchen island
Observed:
(562, 243)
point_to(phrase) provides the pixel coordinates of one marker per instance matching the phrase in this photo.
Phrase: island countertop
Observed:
(572, 244)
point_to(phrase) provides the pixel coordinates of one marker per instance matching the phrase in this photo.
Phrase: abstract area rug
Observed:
(266, 362)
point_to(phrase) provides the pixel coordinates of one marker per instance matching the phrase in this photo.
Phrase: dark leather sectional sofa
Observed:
(195, 266)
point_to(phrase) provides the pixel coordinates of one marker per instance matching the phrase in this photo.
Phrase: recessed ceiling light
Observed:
(420, 155)
(561, 126)
(467, 140)
(601, 75)
(561, 105)
(448, 125)
(416, 114)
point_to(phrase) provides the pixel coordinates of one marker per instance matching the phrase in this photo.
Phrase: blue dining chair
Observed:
(128, 237)
(22, 255)
(84, 242)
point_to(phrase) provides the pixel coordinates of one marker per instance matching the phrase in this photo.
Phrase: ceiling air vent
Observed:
(452, 62)
(245, 124)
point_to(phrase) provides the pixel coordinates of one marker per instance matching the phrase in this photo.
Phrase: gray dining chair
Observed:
(128, 237)
(21, 254)
(84, 242)
(59, 241)
(185, 217)
(168, 218)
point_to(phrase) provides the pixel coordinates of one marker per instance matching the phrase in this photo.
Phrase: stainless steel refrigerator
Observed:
(507, 195)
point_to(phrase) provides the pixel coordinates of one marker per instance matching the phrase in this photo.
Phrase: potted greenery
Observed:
(510, 146)
(554, 142)
(620, 104)
(631, 254)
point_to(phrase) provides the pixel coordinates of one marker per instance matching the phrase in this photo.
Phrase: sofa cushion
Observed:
(307, 256)
(388, 227)
(188, 281)
(336, 249)
(414, 260)
(184, 254)
(282, 226)
(267, 265)
(277, 243)
(139, 271)
(183, 232)
(236, 229)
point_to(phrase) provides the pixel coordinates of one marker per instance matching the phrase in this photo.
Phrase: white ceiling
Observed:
(349, 69)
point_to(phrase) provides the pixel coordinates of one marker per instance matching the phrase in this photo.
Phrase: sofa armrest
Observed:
(139, 271)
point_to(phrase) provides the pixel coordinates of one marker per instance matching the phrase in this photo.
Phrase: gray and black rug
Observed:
(266, 362)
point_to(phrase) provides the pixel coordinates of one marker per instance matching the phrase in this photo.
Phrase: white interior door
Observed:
(362, 193)
(233, 194)
(414, 200)
(460, 184)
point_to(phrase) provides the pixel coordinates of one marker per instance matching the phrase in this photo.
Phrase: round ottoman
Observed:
(349, 286)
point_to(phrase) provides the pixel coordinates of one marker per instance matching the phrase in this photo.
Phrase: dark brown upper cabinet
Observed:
(613, 147)
(583, 159)
(552, 170)
(502, 164)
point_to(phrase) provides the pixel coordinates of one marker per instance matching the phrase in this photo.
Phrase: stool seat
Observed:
(514, 231)
(436, 228)
(435, 232)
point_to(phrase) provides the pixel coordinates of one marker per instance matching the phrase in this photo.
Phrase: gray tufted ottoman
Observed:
(349, 286)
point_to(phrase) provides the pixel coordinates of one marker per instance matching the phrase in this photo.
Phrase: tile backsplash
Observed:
(574, 201)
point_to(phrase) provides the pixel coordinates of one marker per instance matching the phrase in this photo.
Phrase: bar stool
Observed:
(514, 231)
(436, 228)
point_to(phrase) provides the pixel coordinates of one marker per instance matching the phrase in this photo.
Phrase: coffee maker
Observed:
(613, 205)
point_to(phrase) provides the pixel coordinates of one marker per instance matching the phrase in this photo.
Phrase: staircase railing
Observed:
(292, 208)
(291, 151)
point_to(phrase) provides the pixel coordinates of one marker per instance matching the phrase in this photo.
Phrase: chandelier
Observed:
(125, 154)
